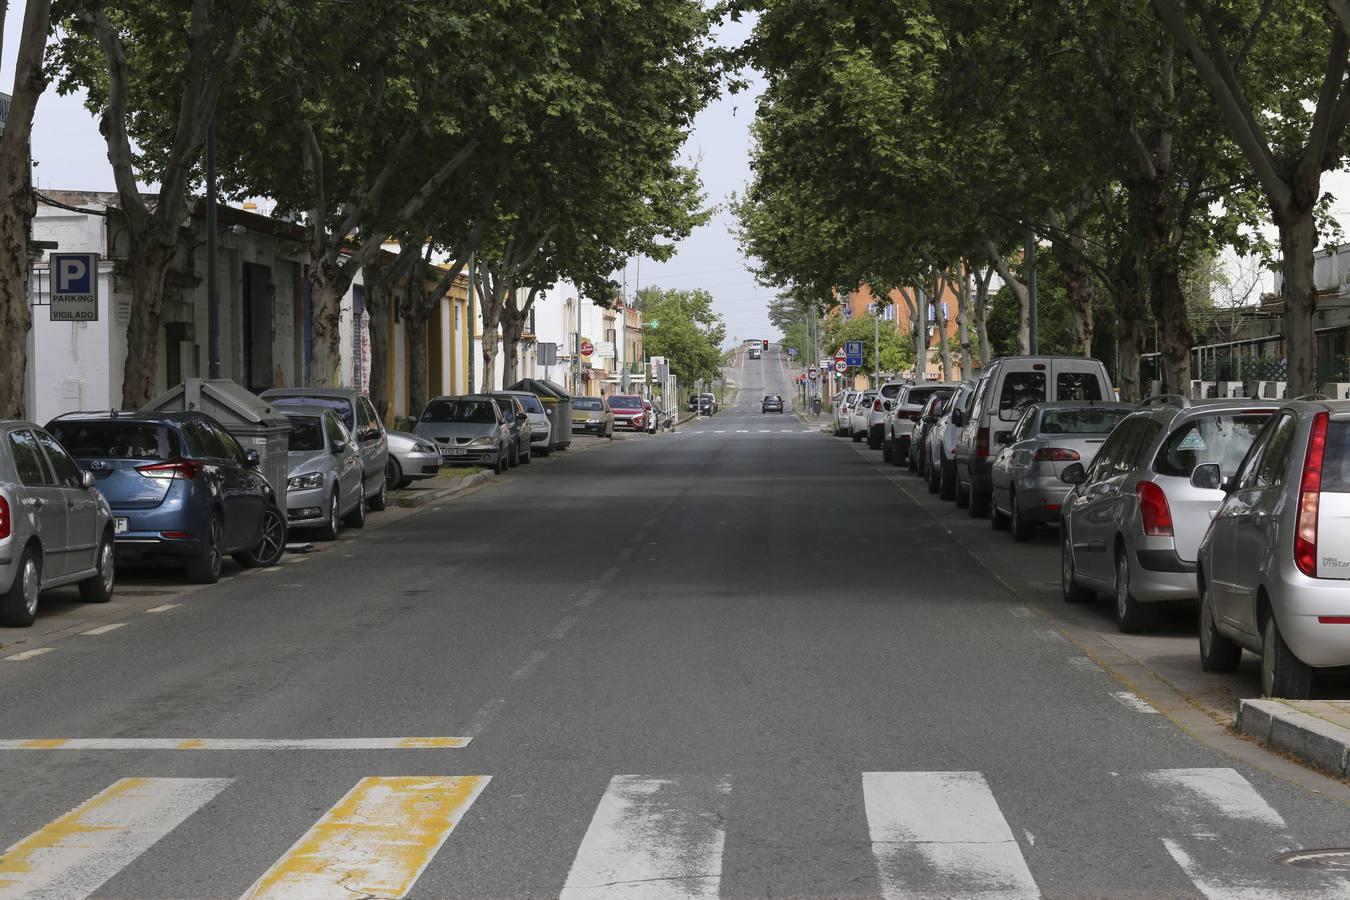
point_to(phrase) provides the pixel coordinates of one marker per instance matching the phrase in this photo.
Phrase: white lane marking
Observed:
(483, 718)
(720, 432)
(1219, 790)
(786, 431)
(104, 629)
(1083, 664)
(396, 743)
(531, 663)
(1133, 701)
(165, 608)
(375, 842)
(28, 654)
(564, 626)
(1020, 612)
(742, 431)
(941, 834)
(766, 431)
(72, 856)
(653, 838)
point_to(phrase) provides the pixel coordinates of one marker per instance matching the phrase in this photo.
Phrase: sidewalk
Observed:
(1315, 731)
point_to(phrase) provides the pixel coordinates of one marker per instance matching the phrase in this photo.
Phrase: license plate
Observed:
(119, 525)
(454, 452)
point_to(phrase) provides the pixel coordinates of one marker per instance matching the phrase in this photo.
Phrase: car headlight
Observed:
(593, 420)
(485, 441)
(424, 448)
(305, 481)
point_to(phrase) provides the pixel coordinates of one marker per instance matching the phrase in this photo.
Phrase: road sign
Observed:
(840, 354)
(792, 351)
(853, 348)
(811, 373)
(74, 278)
(587, 348)
(840, 365)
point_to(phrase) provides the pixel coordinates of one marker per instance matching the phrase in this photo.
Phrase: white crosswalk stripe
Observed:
(931, 834)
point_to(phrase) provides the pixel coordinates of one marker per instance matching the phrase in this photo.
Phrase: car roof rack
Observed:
(1165, 400)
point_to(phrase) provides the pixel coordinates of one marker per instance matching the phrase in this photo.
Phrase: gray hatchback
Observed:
(55, 527)
(468, 430)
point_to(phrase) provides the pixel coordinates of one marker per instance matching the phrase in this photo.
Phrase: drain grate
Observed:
(1334, 859)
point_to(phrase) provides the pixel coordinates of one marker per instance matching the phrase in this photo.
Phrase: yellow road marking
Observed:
(192, 744)
(41, 744)
(375, 841)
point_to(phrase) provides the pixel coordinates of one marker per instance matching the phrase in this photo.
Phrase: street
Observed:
(728, 661)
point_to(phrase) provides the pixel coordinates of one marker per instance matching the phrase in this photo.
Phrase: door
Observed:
(245, 491)
(42, 501)
(370, 439)
(1254, 523)
(1093, 517)
(81, 503)
(351, 480)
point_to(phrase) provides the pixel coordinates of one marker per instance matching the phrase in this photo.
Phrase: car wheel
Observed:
(873, 440)
(1131, 615)
(887, 452)
(979, 503)
(1021, 528)
(912, 459)
(99, 589)
(513, 459)
(962, 495)
(946, 480)
(499, 464)
(998, 520)
(356, 518)
(204, 568)
(545, 450)
(934, 478)
(330, 529)
(1069, 587)
(1282, 673)
(1217, 652)
(271, 542)
(377, 502)
(19, 604)
(393, 475)
(857, 436)
(527, 456)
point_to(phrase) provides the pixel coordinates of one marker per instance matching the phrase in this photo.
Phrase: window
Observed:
(363, 417)
(1104, 462)
(531, 403)
(593, 403)
(1269, 471)
(305, 436)
(337, 435)
(229, 447)
(371, 414)
(890, 390)
(67, 473)
(117, 440)
(1020, 390)
(1078, 386)
(28, 460)
(339, 406)
(1081, 421)
(1222, 439)
(1336, 460)
(202, 440)
(476, 411)
(1024, 427)
(1136, 453)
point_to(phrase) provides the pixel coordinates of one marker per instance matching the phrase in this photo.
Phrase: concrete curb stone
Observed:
(1313, 740)
(422, 498)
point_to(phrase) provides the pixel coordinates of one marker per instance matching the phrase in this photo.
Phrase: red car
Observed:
(631, 411)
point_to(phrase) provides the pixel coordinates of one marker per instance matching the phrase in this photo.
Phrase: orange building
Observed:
(899, 313)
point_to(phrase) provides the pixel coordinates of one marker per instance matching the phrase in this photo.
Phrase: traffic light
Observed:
(766, 343)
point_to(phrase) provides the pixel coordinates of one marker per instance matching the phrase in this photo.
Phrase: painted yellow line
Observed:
(103, 629)
(375, 842)
(28, 654)
(396, 743)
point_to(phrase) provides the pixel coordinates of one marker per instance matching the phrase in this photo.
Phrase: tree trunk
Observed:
(415, 327)
(1078, 284)
(377, 305)
(940, 316)
(1019, 290)
(1131, 309)
(16, 210)
(513, 326)
(149, 260)
(963, 319)
(1298, 242)
(981, 311)
(328, 284)
(489, 340)
(1174, 324)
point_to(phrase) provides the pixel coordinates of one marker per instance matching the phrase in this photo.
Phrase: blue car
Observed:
(180, 486)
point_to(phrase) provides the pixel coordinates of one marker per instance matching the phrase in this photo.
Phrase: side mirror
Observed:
(889, 405)
(1073, 474)
(86, 479)
(413, 420)
(252, 459)
(1207, 477)
(370, 434)
(958, 418)
(1002, 437)
(338, 449)
(521, 417)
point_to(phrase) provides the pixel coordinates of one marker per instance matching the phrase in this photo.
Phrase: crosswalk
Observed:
(930, 834)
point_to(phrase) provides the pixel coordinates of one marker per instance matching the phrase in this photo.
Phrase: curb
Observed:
(422, 498)
(1311, 739)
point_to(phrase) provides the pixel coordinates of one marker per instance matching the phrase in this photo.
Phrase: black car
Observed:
(771, 403)
(514, 414)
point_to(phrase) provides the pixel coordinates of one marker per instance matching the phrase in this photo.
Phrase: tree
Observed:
(17, 206)
(681, 326)
(897, 353)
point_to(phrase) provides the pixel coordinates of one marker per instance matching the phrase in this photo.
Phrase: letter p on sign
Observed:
(72, 275)
(74, 290)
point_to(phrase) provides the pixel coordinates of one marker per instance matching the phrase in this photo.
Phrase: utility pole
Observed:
(1034, 340)
(212, 287)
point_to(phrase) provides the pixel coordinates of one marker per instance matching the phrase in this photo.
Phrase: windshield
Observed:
(1081, 421)
(530, 402)
(625, 402)
(306, 433)
(341, 407)
(918, 396)
(117, 440)
(591, 403)
(476, 411)
(1222, 439)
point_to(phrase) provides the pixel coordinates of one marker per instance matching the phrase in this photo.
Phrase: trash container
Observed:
(557, 406)
(253, 422)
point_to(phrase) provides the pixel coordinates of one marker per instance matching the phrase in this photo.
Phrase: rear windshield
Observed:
(889, 391)
(625, 402)
(1078, 386)
(772, 397)
(117, 440)
(587, 403)
(1336, 462)
(306, 433)
(920, 395)
(478, 411)
(341, 407)
(1020, 390)
(530, 402)
(1081, 421)
(1220, 439)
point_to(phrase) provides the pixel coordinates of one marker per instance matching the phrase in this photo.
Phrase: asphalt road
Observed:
(729, 661)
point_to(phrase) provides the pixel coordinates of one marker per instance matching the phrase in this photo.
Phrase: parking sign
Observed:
(74, 287)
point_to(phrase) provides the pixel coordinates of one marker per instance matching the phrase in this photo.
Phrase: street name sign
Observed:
(74, 293)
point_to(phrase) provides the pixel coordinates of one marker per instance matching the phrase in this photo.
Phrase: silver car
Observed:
(324, 476)
(1274, 568)
(467, 430)
(858, 413)
(540, 427)
(359, 417)
(1046, 440)
(55, 527)
(942, 437)
(841, 412)
(411, 458)
(1133, 523)
(903, 418)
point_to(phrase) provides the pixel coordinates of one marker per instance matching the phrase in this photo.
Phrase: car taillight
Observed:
(174, 468)
(1056, 454)
(1310, 492)
(982, 442)
(4, 518)
(1153, 508)
(876, 406)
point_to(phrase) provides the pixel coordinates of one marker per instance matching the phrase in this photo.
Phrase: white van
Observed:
(1006, 387)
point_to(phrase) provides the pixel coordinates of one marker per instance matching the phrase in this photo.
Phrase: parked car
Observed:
(468, 430)
(628, 411)
(179, 486)
(518, 423)
(883, 407)
(842, 409)
(1274, 568)
(411, 458)
(541, 429)
(942, 442)
(899, 425)
(650, 409)
(754, 353)
(1133, 523)
(1008, 386)
(592, 415)
(708, 404)
(324, 484)
(771, 403)
(923, 425)
(857, 415)
(360, 418)
(56, 527)
(1028, 490)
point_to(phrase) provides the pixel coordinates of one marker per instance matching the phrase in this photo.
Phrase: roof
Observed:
(332, 393)
(109, 415)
